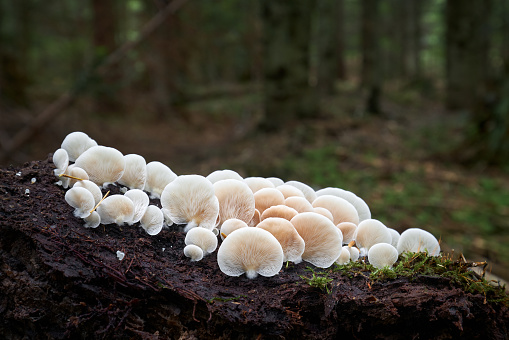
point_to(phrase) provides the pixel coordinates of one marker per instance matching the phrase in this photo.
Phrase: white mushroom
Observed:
(76, 172)
(281, 211)
(159, 176)
(267, 197)
(255, 220)
(117, 209)
(76, 143)
(167, 219)
(252, 251)
(231, 225)
(141, 201)
(219, 175)
(194, 252)
(152, 221)
(308, 192)
(203, 238)
(257, 183)
(344, 257)
(190, 199)
(323, 240)
(290, 240)
(382, 255)
(92, 187)
(418, 240)
(395, 237)
(81, 200)
(61, 161)
(289, 191)
(370, 232)
(354, 253)
(236, 200)
(359, 204)
(299, 203)
(348, 230)
(341, 209)
(135, 173)
(324, 212)
(104, 165)
(276, 181)
(93, 220)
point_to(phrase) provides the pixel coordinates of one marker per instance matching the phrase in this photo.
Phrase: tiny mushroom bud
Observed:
(190, 199)
(268, 197)
(290, 191)
(231, 225)
(370, 232)
(104, 165)
(299, 203)
(93, 220)
(308, 192)
(92, 187)
(323, 240)
(81, 199)
(140, 200)
(344, 257)
(418, 240)
(76, 143)
(135, 173)
(61, 161)
(117, 209)
(252, 251)
(290, 240)
(194, 252)
(341, 209)
(281, 211)
(257, 183)
(236, 200)
(354, 253)
(203, 238)
(382, 255)
(348, 230)
(152, 221)
(158, 177)
(219, 175)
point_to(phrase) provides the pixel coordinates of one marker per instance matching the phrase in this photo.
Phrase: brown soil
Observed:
(60, 280)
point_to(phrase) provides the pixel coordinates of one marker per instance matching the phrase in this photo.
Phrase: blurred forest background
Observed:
(403, 102)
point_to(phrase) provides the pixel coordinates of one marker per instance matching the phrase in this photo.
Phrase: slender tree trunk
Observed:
(327, 38)
(287, 35)
(370, 55)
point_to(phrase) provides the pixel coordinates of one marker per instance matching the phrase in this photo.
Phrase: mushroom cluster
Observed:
(255, 223)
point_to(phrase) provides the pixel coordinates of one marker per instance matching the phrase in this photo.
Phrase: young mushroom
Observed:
(117, 209)
(418, 240)
(203, 238)
(230, 226)
(81, 200)
(158, 177)
(266, 198)
(76, 143)
(308, 192)
(281, 211)
(324, 212)
(395, 237)
(104, 165)
(289, 191)
(141, 201)
(341, 209)
(61, 161)
(76, 174)
(370, 232)
(382, 255)
(190, 200)
(152, 220)
(92, 187)
(348, 230)
(257, 183)
(344, 257)
(359, 204)
(290, 240)
(219, 175)
(93, 220)
(236, 200)
(135, 172)
(193, 252)
(300, 204)
(276, 181)
(321, 237)
(252, 251)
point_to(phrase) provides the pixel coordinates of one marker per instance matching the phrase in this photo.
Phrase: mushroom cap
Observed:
(382, 255)
(290, 240)
(395, 237)
(231, 225)
(255, 220)
(268, 197)
(348, 230)
(159, 176)
(203, 238)
(104, 165)
(281, 211)
(359, 204)
(93, 220)
(76, 143)
(299, 203)
(418, 240)
(194, 252)
(190, 199)
(257, 183)
(219, 175)
(289, 191)
(252, 251)
(236, 200)
(370, 232)
(152, 221)
(78, 173)
(81, 200)
(309, 193)
(117, 209)
(276, 181)
(354, 253)
(344, 257)
(323, 240)
(135, 173)
(140, 200)
(324, 212)
(341, 209)
(61, 161)
(92, 187)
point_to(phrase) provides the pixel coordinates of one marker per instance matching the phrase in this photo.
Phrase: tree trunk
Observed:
(326, 38)
(287, 34)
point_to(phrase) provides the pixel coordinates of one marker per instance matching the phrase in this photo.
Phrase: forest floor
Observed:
(399, 163)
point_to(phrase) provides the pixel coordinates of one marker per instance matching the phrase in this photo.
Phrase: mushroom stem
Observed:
(69, 176)
(224, 235)
(102, 199)
(351, 244)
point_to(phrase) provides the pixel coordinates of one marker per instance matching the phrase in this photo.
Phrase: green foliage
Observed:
(318, 280)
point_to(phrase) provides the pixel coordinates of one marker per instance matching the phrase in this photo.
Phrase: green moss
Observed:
(318, 280)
